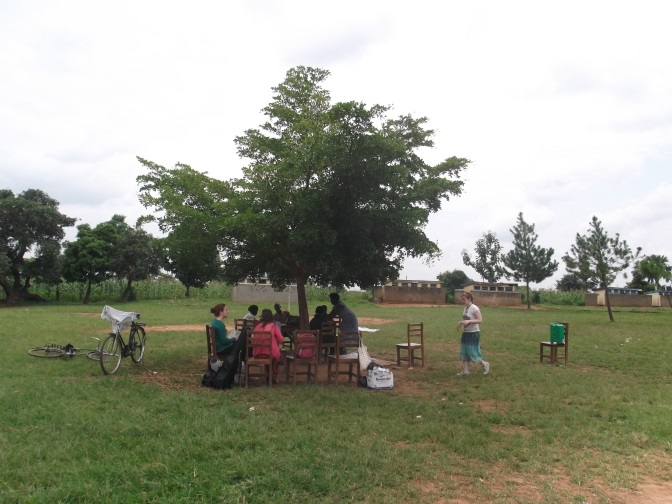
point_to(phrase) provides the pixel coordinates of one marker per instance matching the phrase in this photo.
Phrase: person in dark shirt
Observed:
(349, 320)
(320, 316)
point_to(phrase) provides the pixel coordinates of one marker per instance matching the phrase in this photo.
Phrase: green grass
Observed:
(528, 432)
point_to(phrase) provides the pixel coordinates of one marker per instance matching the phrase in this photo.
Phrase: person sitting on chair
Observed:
(252, 311)
(320, 316)
(349, 320)
(267, 324)
(223, 342)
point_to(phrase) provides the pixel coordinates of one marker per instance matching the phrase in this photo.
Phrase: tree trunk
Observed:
(303, 302)
(186, 292)
(88, 292)
(606, 299)
(127, 291)
(10, 296)
(527, 285)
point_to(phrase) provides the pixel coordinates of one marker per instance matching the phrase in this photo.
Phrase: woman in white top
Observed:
(470, 344)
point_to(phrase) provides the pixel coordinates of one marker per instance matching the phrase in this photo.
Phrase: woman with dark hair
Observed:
(266, 323)
(223, 342)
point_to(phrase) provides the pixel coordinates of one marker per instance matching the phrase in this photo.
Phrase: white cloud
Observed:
(564, 109)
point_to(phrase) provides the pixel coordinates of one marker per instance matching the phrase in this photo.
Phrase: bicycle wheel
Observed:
(94, 355)
(137, 344)
(110, 354)
(46, 351)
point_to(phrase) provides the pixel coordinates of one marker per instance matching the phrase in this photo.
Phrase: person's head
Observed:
(219, 309)
(266, 316)
(467, 297)
(321, 310)
(253, 309)
(334, 298)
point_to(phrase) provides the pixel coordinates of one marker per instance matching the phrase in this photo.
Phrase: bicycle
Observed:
(53, 350)
(114, 348)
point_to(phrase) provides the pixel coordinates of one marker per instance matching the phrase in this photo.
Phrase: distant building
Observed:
(619, 296)
(491, 294)
(262, 291)
(411, 291)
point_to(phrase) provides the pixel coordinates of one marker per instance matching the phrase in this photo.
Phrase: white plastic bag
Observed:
(380, 378)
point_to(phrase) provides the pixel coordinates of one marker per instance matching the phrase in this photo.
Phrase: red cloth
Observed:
(276, 340)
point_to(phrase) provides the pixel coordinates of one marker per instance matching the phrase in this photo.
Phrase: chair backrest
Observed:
(328, 331)
(416, 333)
(306, 344)
(347, 342)
(262, 341)
(212, 344)
(337, 322)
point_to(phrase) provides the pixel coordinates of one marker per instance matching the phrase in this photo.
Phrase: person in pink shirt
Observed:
(266, 323)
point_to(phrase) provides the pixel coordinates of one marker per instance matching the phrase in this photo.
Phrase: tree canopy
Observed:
(527, 262)
(599, 258)
(487, 258)
(335, 194)
(31, 231)
(453, 280)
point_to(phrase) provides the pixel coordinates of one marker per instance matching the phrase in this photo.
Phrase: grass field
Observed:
(598, 430)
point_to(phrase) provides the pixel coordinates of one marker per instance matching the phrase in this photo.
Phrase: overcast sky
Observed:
(564, 108)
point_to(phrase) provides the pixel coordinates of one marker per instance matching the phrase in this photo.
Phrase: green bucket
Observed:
(557, 333)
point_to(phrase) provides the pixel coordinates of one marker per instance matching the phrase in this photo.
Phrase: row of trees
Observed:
(594, 260)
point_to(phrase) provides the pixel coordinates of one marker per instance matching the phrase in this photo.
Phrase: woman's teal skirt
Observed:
(470, 348)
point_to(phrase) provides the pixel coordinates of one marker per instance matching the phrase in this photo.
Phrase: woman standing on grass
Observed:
(470, 347)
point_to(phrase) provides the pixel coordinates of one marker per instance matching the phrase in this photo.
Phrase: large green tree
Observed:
(31, 231)
(655, 268)
(90, 259)
(527, 262)
(573, 282)
(487, 258)
(599, 258)
(194, 262)
(336, 193)
(453, 280)
(137, 255)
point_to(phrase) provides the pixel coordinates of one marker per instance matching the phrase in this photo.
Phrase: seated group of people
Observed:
(279, 324)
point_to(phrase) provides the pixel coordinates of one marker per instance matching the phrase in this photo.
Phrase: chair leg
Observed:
(398, 356)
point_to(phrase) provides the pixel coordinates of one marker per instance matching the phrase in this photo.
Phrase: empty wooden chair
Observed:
(327, 340)
(305, 355)
(414, 344)
(261, 341)
(345, 361)
(553, 347)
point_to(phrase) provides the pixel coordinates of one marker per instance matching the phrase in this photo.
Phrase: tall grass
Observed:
(528, 432)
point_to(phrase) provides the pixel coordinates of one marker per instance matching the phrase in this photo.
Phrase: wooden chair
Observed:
(327, 340)
(306, 353)
(552, 355)
(415, 335)
(347, 343)
(212, 344)
(259, 340)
